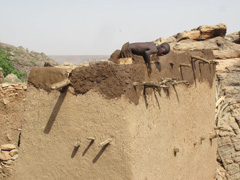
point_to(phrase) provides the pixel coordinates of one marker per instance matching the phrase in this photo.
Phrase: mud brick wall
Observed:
(157, 131)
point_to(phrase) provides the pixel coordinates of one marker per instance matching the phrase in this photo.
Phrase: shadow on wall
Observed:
(87, 148)
(55, 111)
(76, 148)
(100, 153)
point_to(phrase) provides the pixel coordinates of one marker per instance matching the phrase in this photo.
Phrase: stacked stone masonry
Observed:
(228, 121)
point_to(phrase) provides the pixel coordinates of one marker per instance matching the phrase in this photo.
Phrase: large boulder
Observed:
(234, 37)
(201, 33)
(161, 40)
(194, 34)
(212, 31)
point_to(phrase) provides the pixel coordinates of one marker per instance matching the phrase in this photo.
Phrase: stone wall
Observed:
(12, 100)
(228, 118)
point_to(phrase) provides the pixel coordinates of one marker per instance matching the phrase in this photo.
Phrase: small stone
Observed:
(9, 138)
(14, 157)
(236, 159)
(5, 85)
(235, 127)
(7, 171)
(236, 112)
(18, 88)
(237, 146)
(224, 141)
(9, 162)
(13, 152)
(6, 154)
(77, 144)
(2, 157)
(237, 118)
(8, 147)
(5, 101)
(71, 90)
(10, 87)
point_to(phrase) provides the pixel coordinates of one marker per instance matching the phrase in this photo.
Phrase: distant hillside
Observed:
(77, 59)
(24, 60)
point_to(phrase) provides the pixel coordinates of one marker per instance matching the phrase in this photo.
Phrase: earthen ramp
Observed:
(115, 122)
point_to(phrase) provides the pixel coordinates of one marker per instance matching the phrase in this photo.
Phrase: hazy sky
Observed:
(97, 27)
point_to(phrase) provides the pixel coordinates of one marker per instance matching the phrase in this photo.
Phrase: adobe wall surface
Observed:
(159, 134)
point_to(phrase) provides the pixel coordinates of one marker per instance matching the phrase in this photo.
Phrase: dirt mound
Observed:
(110, 80)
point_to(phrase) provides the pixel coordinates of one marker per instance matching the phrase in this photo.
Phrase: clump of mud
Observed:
(112, 81)
(45, 77)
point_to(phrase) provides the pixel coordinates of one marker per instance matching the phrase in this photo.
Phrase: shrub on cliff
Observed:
(7, 65)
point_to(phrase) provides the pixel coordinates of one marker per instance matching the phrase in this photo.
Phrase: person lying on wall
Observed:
(145, 49)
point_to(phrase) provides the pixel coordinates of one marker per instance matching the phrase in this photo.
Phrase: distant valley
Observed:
(77, 59)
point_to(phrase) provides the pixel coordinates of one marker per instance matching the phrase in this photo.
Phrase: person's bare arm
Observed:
(148, 60)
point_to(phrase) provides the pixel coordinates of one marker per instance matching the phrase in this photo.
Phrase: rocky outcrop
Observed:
(212, 31)
(206, 37)
(201, 33)
(24, 60)
(234, 37)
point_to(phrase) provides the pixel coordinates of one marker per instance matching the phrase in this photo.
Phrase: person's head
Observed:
(163, 49)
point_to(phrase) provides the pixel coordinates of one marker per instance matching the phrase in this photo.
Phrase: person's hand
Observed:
(149, 70)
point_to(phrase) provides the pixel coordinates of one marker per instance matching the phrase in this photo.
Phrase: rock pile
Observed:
(8, 157)
(203, 32)
(12, 100)
(10, 91)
